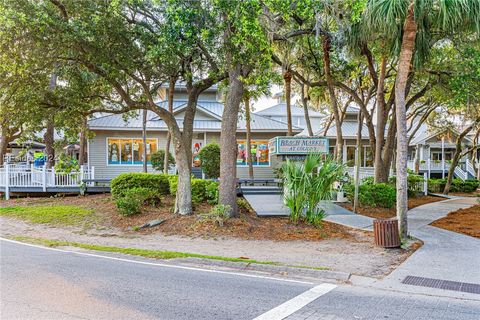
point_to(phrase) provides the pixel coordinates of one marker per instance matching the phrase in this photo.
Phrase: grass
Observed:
(155, 254)
(55, 214)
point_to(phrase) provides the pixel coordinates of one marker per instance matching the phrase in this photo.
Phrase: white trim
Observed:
(88, 152)
(194, 131)
(125, 164)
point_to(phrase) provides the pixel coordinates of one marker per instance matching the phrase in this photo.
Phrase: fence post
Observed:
(82, 168)
(425, 183)
(32, 180)
(428, 167)
(44, 178)
(53, 182)
(7, 181)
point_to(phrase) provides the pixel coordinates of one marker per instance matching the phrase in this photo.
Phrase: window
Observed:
(437, 155)
(129, 151)
(258, 149)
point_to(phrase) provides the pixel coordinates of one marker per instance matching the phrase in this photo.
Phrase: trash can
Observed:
(386, 233)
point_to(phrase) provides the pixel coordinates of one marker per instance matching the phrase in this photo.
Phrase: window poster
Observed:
(197, 146)
(258, 150)
(126, 151)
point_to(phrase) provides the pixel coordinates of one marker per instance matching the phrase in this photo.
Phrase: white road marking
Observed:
(156, 264)
(297, 303)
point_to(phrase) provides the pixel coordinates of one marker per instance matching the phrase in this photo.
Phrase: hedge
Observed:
(126, 181)
(163, 184)
(458, 185)
(373, 195)
(202, 190)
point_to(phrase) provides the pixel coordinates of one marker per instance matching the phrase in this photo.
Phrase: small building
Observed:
(278, 112)
(117, 146)
(436, 149)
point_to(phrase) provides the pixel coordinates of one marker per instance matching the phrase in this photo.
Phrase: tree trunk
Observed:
(305, 111)
(183, 199)
(228, 141)
(249, 137)
(456, 158)
(333, 98)
(48, 137)
(83, 142)
(287, 77)
(3, 147)
(171, 92)
(144, 139)
(406, 54)
(358, 161)
(379, 166)
(49, 140)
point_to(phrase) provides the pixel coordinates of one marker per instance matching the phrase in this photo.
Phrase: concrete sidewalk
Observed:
(445, 255)
(268, 205)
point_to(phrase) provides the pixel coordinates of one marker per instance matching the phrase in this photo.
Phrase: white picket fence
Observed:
(12, 176)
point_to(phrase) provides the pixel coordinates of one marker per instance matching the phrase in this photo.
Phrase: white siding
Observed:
(98, 152)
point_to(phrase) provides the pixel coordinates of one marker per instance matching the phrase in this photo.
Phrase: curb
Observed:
(271, 269)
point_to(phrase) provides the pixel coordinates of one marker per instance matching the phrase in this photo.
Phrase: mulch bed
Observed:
(385, 213)
(246, 226)
(466, 221)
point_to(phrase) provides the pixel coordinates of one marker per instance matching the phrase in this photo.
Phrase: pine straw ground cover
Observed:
(384, 213)
(466, 221)
(246, 226)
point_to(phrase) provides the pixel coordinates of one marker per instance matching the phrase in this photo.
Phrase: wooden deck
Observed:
(30, 189)
(22, 180)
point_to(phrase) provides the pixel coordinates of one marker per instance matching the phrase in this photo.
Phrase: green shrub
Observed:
(126, 181)
(466, 186)
(202, 190)
(157, 160)
(368, 180)
(173, 184)
(243, 204)
(373, 195)
(218, 214)
(210, 160)
(436, 185)
(133, 199)
(199, 190)
(211, 192)
(414, 182)
(127, 206)
(458, 185)
(66, 164)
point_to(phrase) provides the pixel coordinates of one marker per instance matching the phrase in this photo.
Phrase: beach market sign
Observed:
(298, 145)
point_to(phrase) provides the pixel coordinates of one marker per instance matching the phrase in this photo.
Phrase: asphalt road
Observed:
(38, 283)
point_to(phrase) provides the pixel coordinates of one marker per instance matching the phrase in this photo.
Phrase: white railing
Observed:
(469, 168)
(363, 172)
(460, 173)
(27, 177)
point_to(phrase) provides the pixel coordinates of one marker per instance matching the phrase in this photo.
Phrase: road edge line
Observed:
(155, 264)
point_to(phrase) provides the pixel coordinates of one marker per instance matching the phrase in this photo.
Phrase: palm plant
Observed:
(308, 183)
